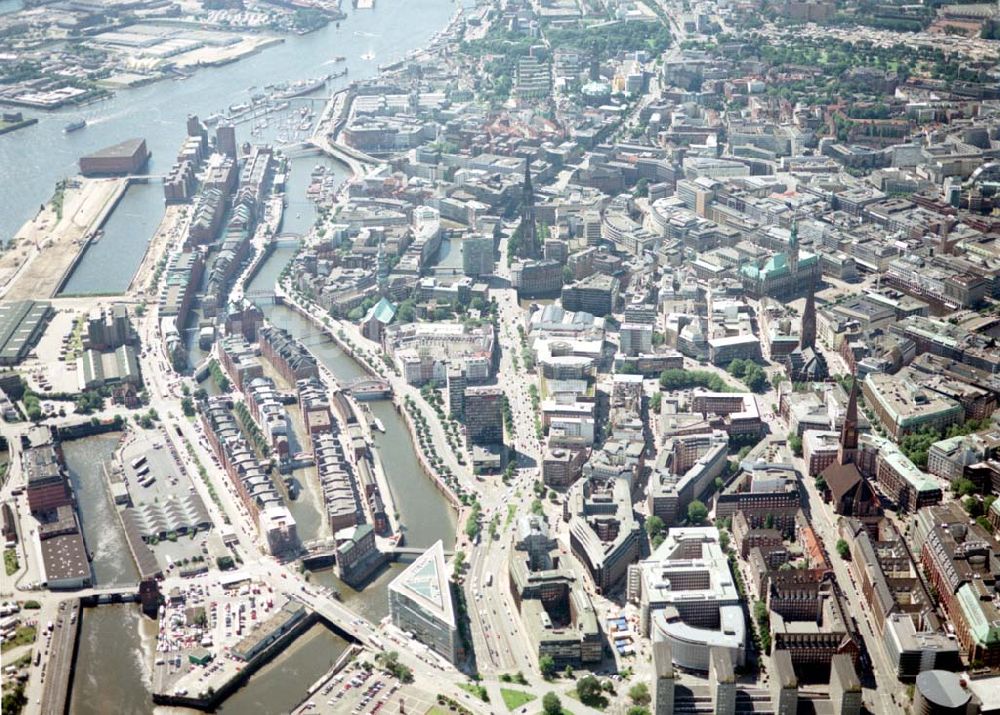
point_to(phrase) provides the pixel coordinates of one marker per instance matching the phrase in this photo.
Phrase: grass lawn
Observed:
(437, 710)
(475, 690)
(23, 635)
(10, 561)
(514, 699)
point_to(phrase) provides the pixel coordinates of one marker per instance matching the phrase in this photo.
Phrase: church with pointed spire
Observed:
(850, 491)
(529, 244)
(806, 363)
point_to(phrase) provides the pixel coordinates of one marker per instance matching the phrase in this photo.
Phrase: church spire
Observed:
(849, 432)
(793, 249)
(807, 333)
(529, 230)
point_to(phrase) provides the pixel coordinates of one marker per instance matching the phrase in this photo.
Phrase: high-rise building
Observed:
(722, 676)
(663, 687)
(784, 684)
(484, 415)
(477, 256)
(457, 383)
(636, 338)
(225, 140)
(420, 604)
(845, 688)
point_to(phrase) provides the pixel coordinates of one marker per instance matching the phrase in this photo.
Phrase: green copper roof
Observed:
(384, 311)
(985, 632)
(776, 265)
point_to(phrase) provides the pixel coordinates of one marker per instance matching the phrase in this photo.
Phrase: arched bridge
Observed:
(369, 388)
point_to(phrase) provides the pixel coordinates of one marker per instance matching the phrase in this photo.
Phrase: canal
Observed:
(127, 232)
(30, 164)
(111, 642)
(425, 514)
(112, 562)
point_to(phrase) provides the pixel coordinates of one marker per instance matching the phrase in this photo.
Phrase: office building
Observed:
(420, 604)
(559, 618)
(484, 415)
(903, 406)
(477, 256)
(688, 598)
(603, 531)
(596, 294)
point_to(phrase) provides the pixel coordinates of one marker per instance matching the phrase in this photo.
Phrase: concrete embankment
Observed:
(50, 245)
(218, 690)
(101, 218)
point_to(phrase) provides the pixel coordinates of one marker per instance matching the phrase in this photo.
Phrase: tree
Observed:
(589, 689)
(637, 710)
(547, 666)
(973, 506)
(724, 540)
(795, 442)
(697, 512)
(843, 549)
(551, 704)
(820, 483)
(738, 368)
(639, 693)
(964, 487)
(654, 525)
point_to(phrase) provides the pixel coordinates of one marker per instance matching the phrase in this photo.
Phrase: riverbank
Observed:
(6, 127)
(171, 231)
(48, 246)
(397, 400)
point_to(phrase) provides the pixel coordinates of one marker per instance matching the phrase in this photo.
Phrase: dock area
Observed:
(213, 636)
(47, 248)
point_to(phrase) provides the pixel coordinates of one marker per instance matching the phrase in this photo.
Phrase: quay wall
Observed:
(98, 224)
(209, 702)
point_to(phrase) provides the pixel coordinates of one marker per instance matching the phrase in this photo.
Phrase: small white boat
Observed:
(378, 425)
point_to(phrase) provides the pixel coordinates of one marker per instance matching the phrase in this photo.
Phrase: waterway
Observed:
(111, 643)
(40, 155)
(112, 563)
(280, 685)
(33, 159)
(127, 232)
(425, 514)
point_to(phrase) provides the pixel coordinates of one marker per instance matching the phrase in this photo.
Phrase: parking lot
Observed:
(359, 691)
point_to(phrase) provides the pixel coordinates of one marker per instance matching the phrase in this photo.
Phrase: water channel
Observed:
(112, 565)
(33, 159)
(29, 167)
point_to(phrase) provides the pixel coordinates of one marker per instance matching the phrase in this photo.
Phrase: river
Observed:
(112, 563)
(32, 160)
